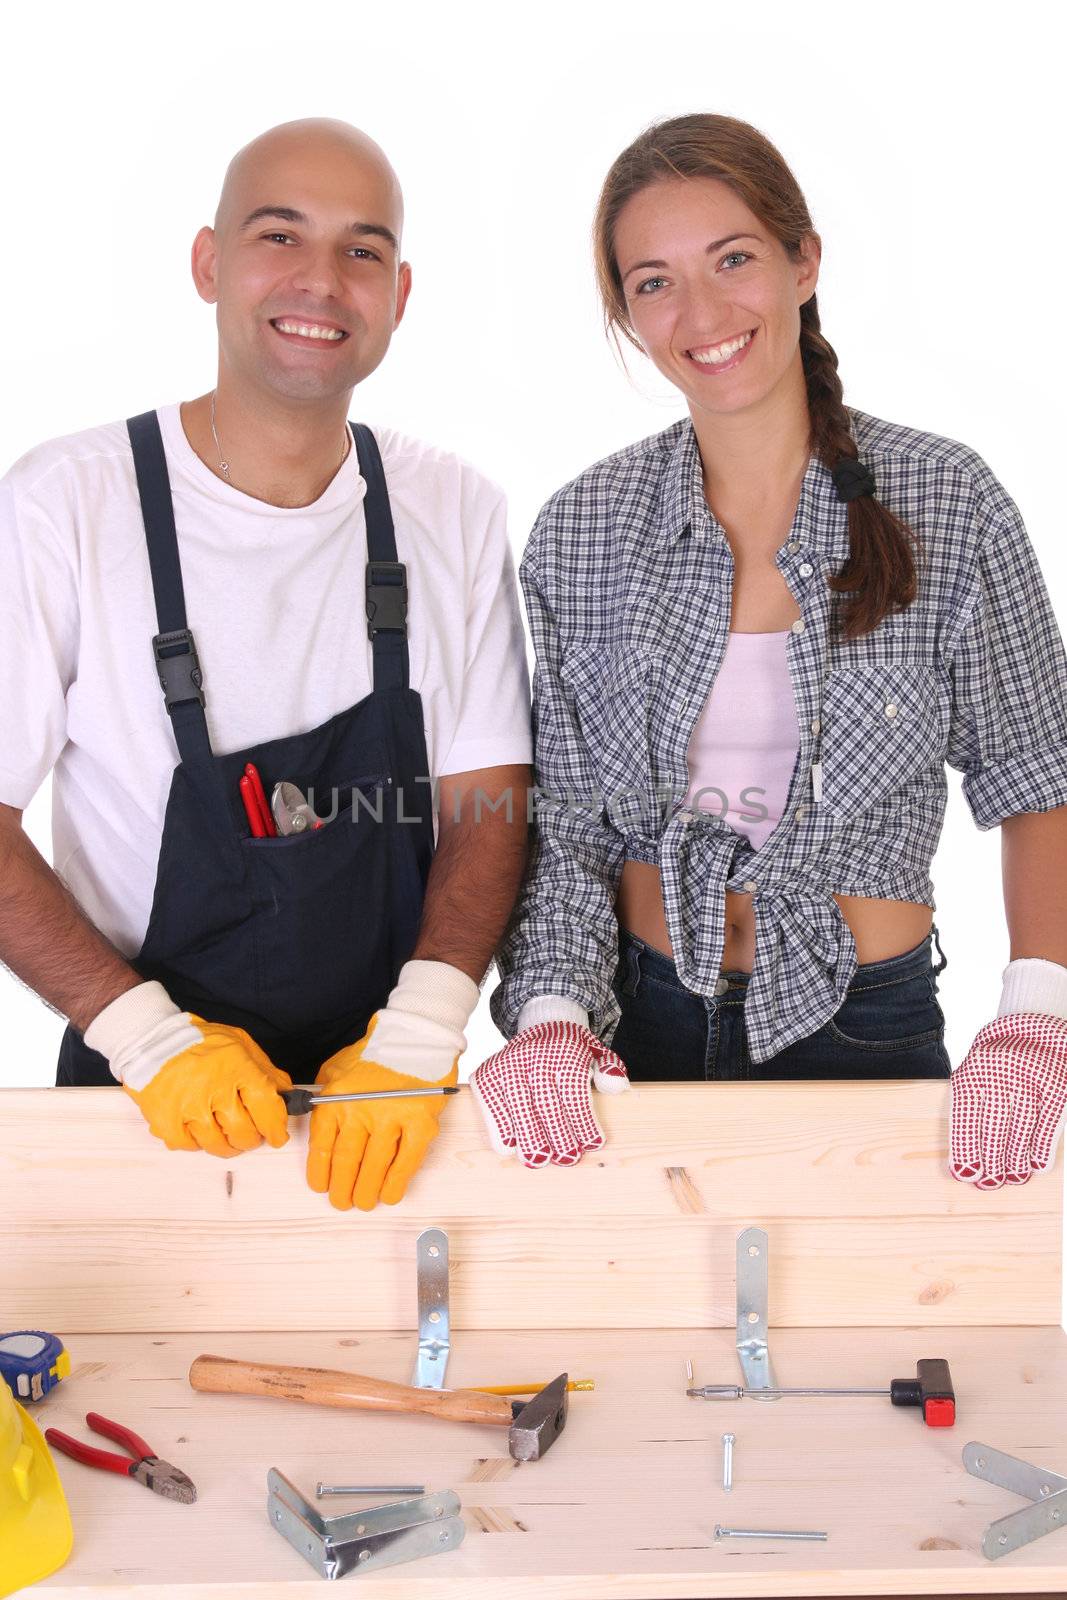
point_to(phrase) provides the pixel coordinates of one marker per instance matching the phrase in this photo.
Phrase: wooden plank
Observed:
(625, 1504)
(109, 1231)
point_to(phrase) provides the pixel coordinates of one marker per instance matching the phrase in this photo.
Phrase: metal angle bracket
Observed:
(431, 1260)
(1048, 1491)
(364, 1541)
(753, 1276)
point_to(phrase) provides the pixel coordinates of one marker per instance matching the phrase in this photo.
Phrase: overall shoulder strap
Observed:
(386, 577)
(177, 664)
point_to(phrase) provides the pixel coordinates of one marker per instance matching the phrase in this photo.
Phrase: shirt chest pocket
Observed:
(881, 727)
(610, 690)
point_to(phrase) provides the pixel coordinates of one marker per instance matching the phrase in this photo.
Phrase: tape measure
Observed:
(32, 1363)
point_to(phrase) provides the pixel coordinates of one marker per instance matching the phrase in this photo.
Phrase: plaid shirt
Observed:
(628, 578)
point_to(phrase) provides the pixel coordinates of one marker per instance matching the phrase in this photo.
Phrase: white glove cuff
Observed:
(419, 1030)
(437, 991)
(1033, 984)
(125, 1020)
(551, 1008)
(139, 1032)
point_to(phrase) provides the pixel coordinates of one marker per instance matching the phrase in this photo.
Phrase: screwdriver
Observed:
(931, 1389)
(299, 1100)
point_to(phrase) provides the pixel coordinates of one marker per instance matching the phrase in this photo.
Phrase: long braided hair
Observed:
(880, 573)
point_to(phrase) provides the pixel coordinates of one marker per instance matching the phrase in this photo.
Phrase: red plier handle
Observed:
(91, 1457)
(142, 1464)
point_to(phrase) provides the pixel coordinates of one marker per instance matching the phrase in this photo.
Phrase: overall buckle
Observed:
(387, 597)
(178, 668)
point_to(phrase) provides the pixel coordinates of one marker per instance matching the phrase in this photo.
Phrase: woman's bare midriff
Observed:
(881, 928)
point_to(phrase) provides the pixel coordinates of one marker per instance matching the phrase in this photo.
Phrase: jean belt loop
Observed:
(941, 953)
(631, 982)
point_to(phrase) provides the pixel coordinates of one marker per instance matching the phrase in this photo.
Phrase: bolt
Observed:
(323, 1489)
(762, 1533)
(728, 1460)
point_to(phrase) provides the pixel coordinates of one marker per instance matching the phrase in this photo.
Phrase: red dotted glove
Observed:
(1009, 1095)
(535, 1093)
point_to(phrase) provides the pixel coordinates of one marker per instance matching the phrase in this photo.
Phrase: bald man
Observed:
(275, 663)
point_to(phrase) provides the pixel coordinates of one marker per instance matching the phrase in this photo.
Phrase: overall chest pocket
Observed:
(881, 726)
(611, 691)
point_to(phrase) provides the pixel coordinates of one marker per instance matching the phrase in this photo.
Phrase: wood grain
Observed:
(624, 1505)
(109, 1231)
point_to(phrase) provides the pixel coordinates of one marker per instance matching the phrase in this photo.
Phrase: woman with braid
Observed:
(760, 635)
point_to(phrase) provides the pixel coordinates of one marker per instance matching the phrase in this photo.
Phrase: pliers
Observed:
(141, 1462)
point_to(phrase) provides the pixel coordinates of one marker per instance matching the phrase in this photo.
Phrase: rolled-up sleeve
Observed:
(563, 937)
(1008, 731)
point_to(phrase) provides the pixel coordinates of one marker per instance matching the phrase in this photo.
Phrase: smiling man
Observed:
(276, 666)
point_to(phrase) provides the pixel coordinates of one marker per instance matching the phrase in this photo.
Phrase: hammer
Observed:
(533, 1425)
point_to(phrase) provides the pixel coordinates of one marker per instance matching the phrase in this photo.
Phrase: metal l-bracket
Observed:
(1048, 1490)
(364, 1541)
(753, 1263)
(431, 1258)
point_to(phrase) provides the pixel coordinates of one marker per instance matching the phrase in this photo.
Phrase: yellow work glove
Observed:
(199, 1085)
(360, 1153)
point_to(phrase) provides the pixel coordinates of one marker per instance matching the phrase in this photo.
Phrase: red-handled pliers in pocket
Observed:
(141, 1462)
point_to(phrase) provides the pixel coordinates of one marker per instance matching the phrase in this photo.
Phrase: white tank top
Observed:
(743, 748)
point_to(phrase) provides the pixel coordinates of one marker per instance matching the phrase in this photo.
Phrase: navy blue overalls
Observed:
(297, 938)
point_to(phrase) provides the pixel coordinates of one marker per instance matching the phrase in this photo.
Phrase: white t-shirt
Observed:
(275, 600)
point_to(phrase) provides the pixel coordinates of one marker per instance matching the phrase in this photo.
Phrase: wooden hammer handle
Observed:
(321, 1387)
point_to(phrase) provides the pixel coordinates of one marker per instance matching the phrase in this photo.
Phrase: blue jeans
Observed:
(889, 1024)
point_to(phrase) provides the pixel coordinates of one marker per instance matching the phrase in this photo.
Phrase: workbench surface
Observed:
(624, 1504)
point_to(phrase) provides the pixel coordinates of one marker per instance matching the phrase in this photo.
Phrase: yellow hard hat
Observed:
(35, 1528)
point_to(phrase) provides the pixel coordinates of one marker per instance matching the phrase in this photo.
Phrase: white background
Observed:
(927, 138)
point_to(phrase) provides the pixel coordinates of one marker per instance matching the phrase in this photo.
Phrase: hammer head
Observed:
(539, 1422)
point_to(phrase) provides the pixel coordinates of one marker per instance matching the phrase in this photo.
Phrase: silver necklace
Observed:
(224, 466)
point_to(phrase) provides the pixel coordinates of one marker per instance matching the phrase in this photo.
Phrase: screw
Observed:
(728, 1460)
(762, 1533)
(323, 1489)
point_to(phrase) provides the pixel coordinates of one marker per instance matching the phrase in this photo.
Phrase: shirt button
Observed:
(800, 813)
(890, 710)
(721, 985)
(806, 569)
(816, 725)
(798, 626)
(792, 547)
(750, 886)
